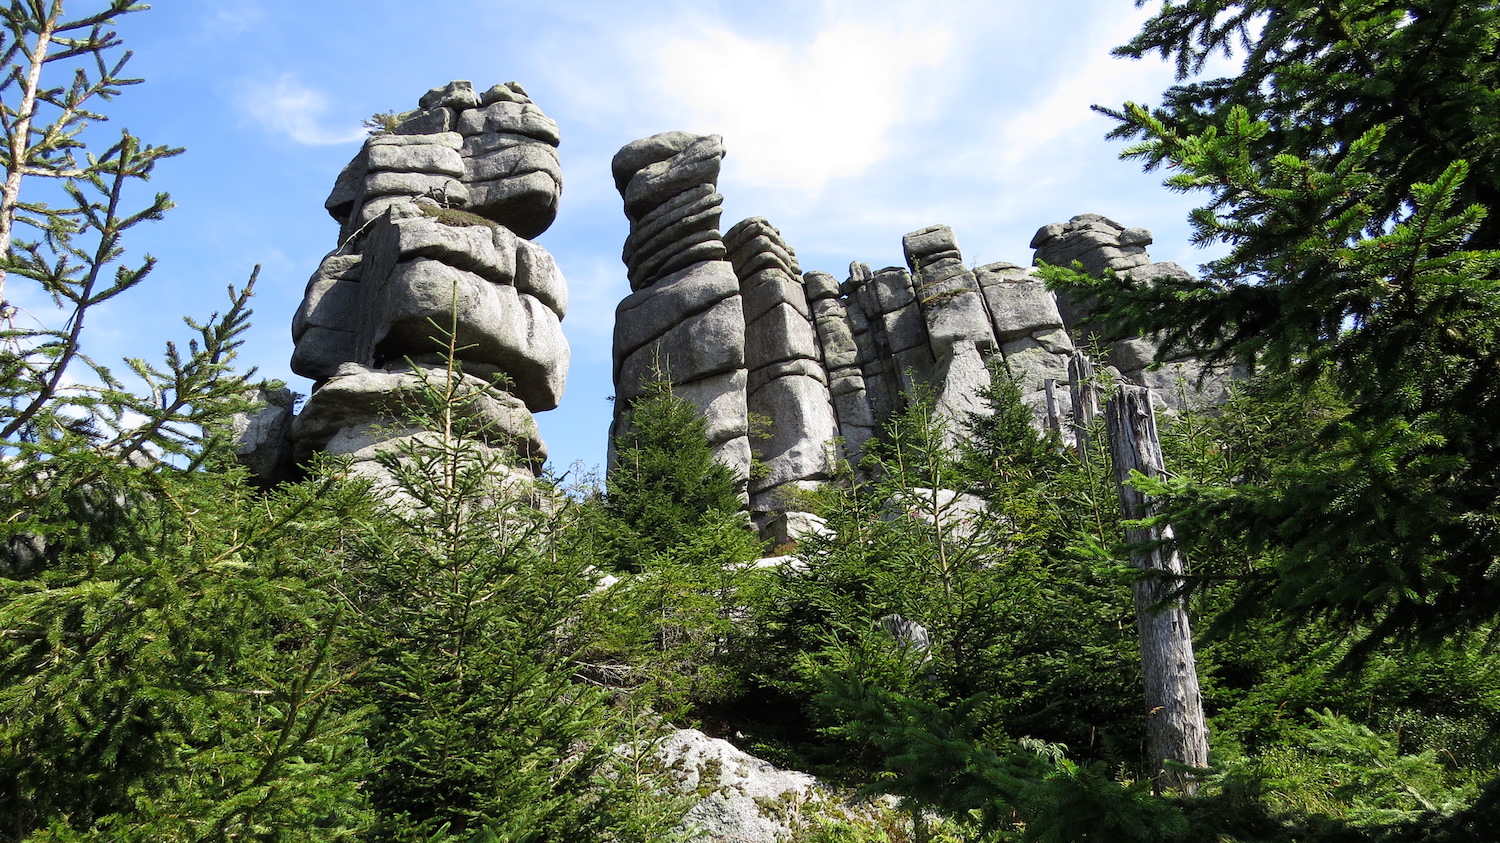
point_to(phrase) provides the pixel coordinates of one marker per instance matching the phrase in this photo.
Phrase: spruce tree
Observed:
(1350, 169)
(664, 481)
(671, 521)
(470, 618)
(168, 657)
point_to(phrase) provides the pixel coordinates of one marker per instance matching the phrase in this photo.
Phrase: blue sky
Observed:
(847, 125)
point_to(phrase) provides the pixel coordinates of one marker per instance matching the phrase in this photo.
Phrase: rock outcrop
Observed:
(793, 425)
(435, 217)
(1101, 244)
(684, 323)
(795, 372)
(742, 799)
(262, 437)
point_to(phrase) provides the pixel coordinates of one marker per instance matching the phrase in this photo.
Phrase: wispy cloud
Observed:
(289, 107)
(230, 19)
(796, 117)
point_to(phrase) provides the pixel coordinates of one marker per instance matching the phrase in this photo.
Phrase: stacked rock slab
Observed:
(434, 218)
(938, 326)
(958, 323)
(844, 359)
(1101, 244)
(1028, 327)
(684, 323)
(817, 366)
(793, 428)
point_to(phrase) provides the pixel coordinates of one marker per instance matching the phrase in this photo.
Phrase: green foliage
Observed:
(1026, 634)
(182, 657)
(675, 635)
(1355, 189)
(665, 481)
(76, 210)
(168, 661)
(170, 671)
(382, 122)
(673, 629)
(457, 217)
(467, 616)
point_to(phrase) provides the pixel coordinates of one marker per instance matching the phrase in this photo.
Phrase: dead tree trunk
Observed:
(1085, 394)
(1175, 728)
(1054, 412)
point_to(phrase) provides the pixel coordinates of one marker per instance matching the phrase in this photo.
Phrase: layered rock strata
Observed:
(435, 218)
(937, 326)
(793, 426)
(1100, 244)
(685, 321)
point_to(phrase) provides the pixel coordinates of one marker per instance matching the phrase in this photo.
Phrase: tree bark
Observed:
(1175, 727)
(1085, 395)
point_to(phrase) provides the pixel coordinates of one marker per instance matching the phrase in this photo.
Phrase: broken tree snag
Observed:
(1175, 728)
(1085, 394)
(1054, 412)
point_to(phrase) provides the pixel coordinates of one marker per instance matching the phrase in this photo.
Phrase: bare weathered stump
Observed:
(1175, 728)
(1085, 395)
(1054, 412)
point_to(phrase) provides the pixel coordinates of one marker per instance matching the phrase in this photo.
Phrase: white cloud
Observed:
(231, 19)
(796, 117)
(289, 107)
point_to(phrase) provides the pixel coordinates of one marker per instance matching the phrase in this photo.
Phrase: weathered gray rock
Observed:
(458, 94)
(397, 154)
(685, 320)
(823, 364)
(426, 121)
(472, 248)
(494, 155)
(445, 189)
(433, 220)
(320, 351)
(721, 399)
(361, 405)
(908, 635)
(647, 314)
(747, 800)
(791, 526)
(331, 297)
(494, 324)
(667, 183)
(797, 442)
(947, 292)
(961, 375)
(1102, 244)
(708, 343)
(536, 272)
(1019, 303)
(787, 389)
(263, 437)
(960, 515)
(526, 202)
(504, 92)
(1031, 363)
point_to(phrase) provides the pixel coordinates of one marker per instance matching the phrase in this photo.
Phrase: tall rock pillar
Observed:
(793, 428)
(958, 325)
(684, 323)
(434, 217)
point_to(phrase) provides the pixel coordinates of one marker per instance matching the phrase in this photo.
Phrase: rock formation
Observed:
(435, 218)
(793, 423)
(795, 372)
(684, 323)
(738, 798)
(1101, 244)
